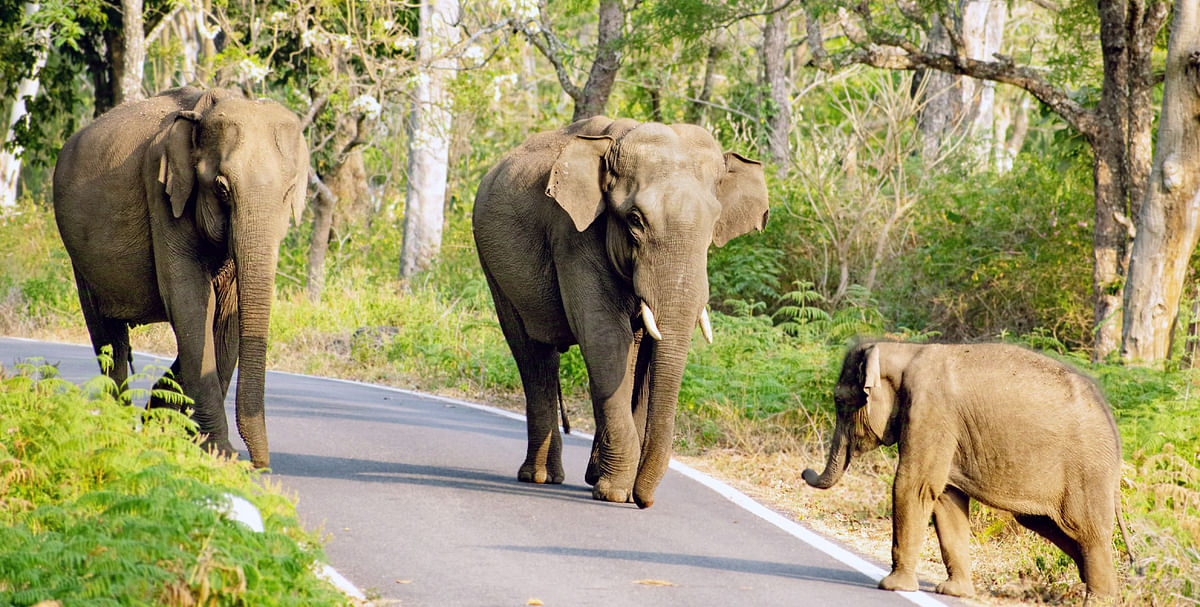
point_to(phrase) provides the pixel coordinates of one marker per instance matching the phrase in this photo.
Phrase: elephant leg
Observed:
(617, 447)
(920, 478)
(192, 306)
(1088, 521)
(226, 331)
(106, 331)
(537, 364)
(641, 395)
(952, 521)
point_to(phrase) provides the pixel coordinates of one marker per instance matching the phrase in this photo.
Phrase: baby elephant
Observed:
(1011, 428)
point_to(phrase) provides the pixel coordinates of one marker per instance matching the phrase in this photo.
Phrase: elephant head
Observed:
(238, 169)
(865, 401)
(663, 194)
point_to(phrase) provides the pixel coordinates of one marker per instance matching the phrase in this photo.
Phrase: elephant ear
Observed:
(176, 167)
(742, 193)
(881, 398)
(576, 178)
(297, 195)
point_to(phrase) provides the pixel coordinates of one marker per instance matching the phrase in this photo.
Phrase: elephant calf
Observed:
(1011, 428)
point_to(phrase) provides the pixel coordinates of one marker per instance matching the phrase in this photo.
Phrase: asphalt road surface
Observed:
(420, 498)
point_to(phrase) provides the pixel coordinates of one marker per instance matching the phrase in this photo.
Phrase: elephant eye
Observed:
(221, 188)
(635, 220)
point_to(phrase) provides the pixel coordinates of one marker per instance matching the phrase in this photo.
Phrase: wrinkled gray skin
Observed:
(576, 229)
(172, 209)
(1009, 427)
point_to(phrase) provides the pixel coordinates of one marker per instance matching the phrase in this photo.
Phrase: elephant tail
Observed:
(562, 407)
(1125, 534)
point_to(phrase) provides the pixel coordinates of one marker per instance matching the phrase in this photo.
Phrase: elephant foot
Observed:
(220, 447)
(607, 491)
(899, 580)
(956, 588)
(549, 474)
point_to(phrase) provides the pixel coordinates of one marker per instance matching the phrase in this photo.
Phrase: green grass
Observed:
(107, 504)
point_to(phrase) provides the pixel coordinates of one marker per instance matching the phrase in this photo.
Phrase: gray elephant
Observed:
(1011, 428)
(173, 209)
(597, 234)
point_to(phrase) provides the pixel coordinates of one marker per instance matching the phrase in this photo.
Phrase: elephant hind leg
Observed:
(106, 331)
(537, 364)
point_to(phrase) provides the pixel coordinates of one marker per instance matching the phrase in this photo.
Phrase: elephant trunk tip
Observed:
(641, 503)
(815, 480)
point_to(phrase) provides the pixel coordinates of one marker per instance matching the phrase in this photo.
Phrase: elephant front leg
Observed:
(616, 450)
(951, 519)
(195, 369)
(913, 496)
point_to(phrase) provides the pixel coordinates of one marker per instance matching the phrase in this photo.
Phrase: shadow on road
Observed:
(737, 565)
(444, 477)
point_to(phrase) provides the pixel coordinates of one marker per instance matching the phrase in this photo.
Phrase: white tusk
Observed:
(705, 325)
(651, 326)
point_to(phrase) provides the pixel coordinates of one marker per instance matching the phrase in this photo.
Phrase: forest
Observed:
(973, 171)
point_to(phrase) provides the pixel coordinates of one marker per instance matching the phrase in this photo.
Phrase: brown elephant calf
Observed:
(1011, 428)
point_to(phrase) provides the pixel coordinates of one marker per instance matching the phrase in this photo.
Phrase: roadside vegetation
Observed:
(102, 503)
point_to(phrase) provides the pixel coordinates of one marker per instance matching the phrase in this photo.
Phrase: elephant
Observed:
(1011, 428)
(597, 234)
(173, 208)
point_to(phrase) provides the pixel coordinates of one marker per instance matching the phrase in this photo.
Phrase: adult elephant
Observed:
(598, 234)
(173, 209)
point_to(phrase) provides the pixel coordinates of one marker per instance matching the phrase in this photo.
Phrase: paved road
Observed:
(420, 497)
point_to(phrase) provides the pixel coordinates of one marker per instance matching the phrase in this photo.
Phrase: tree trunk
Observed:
(941, 106)
(10, 157)
(133, 54)
(698, 108)
(779, 113)
(318, 245)
(983, 31)
(1167, 225)
(603, 74)
(429, 140)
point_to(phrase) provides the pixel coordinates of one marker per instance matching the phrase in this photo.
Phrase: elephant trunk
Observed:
(839, 460)
(665, 377)
(256, 288)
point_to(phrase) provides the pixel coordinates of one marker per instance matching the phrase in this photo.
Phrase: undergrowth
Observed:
(107, 504)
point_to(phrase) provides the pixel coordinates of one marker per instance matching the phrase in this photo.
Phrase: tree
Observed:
(1167, 228)
(592, 97)
(429, 137)
(11, 152)
(1117, 126)
(778, 85)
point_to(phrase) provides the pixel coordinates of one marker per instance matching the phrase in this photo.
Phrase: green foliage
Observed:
(37, 285)
(108, 503)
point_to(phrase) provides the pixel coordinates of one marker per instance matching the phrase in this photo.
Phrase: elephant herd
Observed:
(596, 234)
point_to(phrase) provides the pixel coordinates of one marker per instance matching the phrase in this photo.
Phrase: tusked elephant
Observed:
(173, 209)
(597, 234)
(1012, 428)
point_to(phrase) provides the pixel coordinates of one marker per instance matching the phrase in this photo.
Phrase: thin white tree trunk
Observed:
(429, 138)
(983, 31)
(10, 159)
(1168, 226)
(134, 57)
